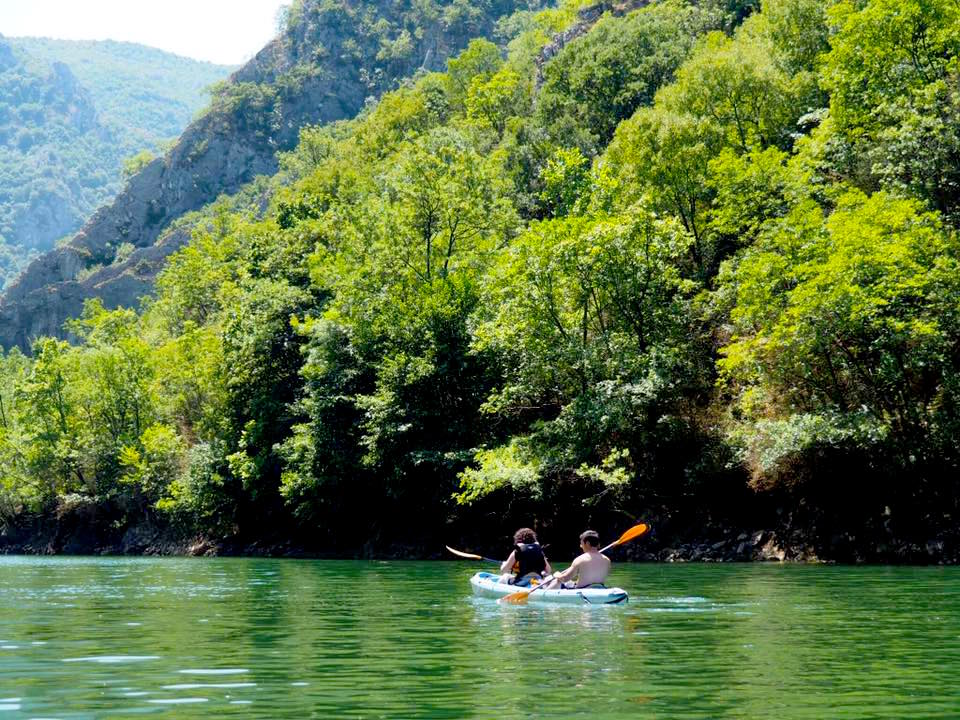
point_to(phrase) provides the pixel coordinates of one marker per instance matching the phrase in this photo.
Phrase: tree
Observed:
(19, 488)
(665, 156)
(846, 332)
(798, 32)
(892, 74)
(601, 79)
(884, 50)
(391, 353)
(749, 191)
(479, 61)
(53, 449)
(136, 163)
(736, 85)
(112, 390)
(589, 317)
(566, 182)
(496, 99)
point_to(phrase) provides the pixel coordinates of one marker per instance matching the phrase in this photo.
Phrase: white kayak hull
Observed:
(487, 585)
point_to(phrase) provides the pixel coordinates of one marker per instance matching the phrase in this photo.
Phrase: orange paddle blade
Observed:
(634, 532)
(520, 597)
(517, 598)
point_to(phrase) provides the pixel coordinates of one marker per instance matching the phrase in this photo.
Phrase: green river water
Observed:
(251, 638)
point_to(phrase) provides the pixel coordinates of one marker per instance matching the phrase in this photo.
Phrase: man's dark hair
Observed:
(525, 536)
(590, 537)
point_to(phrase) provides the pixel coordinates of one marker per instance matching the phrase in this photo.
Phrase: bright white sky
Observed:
(222, 31)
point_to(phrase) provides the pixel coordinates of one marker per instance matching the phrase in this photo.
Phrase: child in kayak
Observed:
(590, 568)
(527, 563)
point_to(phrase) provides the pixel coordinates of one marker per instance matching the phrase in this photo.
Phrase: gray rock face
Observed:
(211, 157)
(72, 100)
(45, 219)
(71, 113)
(35, 220)
(311, 74)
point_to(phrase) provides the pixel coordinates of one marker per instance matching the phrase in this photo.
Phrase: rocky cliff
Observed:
(330, 59)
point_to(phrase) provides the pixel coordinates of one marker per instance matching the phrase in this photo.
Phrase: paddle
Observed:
(521, 596)
(471, 556)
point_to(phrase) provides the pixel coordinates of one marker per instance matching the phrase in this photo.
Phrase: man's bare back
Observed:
(590, 568)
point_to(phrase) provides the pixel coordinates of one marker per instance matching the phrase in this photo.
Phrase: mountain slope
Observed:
(63, 145)
(148, 94)
(330, 59)
(698, 269)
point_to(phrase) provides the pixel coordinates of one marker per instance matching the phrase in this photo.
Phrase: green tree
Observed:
(391, 388)
(54, 447)
(845, 333)
(665, 156)
(496, 99)
(892, 75)
(478, 62)
(885, 49)
(601, 79)
(798, 32)
(136, 163)
(566, 182)
(112, 390)
(19, 489)
(589, 317)
(737, 85)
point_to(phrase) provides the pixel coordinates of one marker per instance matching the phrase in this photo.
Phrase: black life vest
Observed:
(530, 559)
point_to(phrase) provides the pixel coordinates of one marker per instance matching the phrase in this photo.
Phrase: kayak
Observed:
(489, 585)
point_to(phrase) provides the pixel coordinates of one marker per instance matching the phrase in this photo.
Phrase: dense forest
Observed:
(691, 261)
(74, 118)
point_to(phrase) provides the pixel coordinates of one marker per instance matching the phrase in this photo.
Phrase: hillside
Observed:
(331, 59)
(146, 95)
(70, 114)
(696, 263)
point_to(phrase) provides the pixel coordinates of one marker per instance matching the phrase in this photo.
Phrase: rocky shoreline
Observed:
(84, 532)
(84, 526)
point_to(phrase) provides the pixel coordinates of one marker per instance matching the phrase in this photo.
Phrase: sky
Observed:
(229, 32)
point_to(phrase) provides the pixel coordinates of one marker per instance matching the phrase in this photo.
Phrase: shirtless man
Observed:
(589, 568)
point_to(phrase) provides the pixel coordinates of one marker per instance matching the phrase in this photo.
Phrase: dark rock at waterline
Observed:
(85, 526)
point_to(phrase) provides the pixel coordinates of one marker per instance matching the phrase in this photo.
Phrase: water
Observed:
(184, 638)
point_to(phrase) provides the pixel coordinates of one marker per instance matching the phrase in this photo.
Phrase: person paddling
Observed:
(526, 563)
(590, 568)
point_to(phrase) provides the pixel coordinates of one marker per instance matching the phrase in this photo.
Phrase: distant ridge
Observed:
(127, 80)
(70, 114)
(322, 68)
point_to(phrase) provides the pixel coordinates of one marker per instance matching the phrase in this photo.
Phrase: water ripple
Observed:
(214, 671)
(403, 641)
(113, 659)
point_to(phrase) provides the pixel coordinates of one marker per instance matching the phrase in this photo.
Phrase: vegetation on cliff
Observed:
(706, 247)
(70, 113)
(329, 61)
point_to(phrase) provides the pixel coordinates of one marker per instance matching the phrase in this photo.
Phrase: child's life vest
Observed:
(530, 559)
